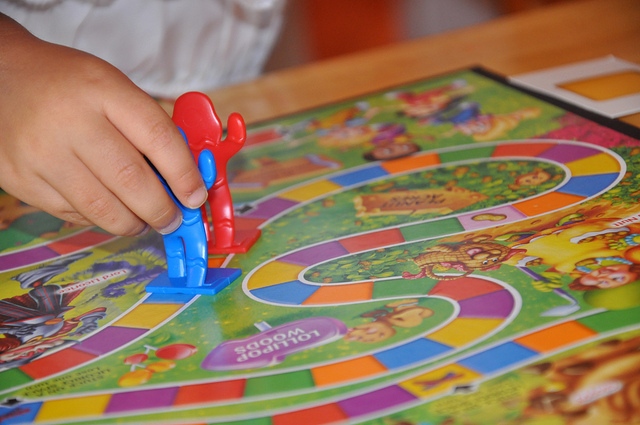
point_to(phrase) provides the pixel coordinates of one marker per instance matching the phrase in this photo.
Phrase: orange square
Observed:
(336, 294)
(411, 163)
(545, 203)
(346, 371)
(555, 337)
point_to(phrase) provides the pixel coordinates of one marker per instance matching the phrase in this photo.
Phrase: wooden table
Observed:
(541, 38)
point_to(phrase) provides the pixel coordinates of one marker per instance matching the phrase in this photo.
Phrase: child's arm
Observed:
(73, 132)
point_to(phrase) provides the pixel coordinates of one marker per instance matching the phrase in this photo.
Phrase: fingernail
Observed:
(144, 231)
(173, 226)
(197, 198)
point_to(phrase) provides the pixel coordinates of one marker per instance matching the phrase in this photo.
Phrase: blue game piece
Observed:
(186, 248)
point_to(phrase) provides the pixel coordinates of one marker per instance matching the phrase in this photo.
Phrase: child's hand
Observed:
(73, 132)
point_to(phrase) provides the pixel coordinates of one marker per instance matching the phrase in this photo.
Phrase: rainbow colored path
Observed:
(591, 170)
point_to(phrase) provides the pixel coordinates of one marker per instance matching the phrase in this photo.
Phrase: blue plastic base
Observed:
(216, 281)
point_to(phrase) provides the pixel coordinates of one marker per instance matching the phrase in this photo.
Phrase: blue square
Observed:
(498, 358)
(293, 293)
(420, 350)
(362, 175)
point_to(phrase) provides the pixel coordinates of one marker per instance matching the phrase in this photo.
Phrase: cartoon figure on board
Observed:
(402, 314)
(465, 257)
(34, 322)
(595, 386)
(186, 247)
(438, 105)
(194, 114)
(487, 127)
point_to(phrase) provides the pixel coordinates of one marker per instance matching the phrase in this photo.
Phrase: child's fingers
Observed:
(145, 124)
(92, 200)
(119, 167)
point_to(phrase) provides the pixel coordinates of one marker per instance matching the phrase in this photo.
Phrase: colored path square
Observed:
(410, 352)
(273, 273)
(141, 400)
(495, 305)
(91, 405)
(556, 336)
(80, 241)
(439, 380)
(463, 288)
(609, 320)
(291, 381)
(589, 185)
(547, 203)
(412, 162)
(315, 254)
(372, 240)
(347, 370)
(480, 220)
(25, 413)
(168, 298)
(56, 362)
(293, 293)
(401, 287)
(318, 415)
(463, 331)
(532, 149)
(310, 191)
(568, 152)
(431, 229)
(270, 208)
(498, 358)
(340, 294)
(108, 339)
(468, 152)
(360, 176)
(595, 164)
(12, 378)
(19, 259)
(376, 401)
(210, 392)
(148, 316)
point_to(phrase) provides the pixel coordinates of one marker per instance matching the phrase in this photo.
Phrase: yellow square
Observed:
(463, 331)
(310, 191)
(73, 408)
(273, 273)
(148, 316)
(439, 380)
(595, 164)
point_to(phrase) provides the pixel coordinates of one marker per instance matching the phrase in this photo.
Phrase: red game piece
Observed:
(194, 114)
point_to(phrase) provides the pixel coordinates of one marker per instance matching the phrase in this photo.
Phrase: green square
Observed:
(467, 153)
(431, 229)
(13, 378)
(611, 319)
(274, 384)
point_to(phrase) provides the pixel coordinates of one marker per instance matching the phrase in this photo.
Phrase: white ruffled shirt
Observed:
(166, 47)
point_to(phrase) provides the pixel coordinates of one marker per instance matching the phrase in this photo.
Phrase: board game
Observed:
(454, 251)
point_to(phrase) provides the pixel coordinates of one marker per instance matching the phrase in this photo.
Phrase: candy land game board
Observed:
(454, 251)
